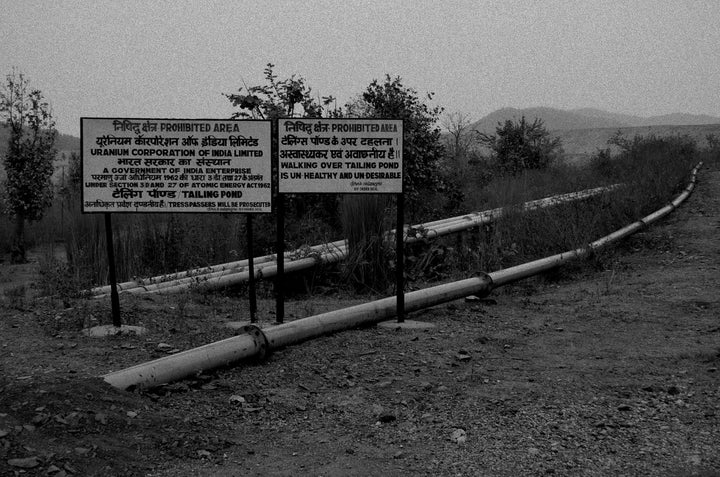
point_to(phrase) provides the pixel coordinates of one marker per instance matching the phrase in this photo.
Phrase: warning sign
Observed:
(340, 155)
(175, 165)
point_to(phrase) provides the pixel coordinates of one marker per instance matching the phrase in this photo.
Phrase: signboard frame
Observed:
(367, 147)
(147, 169)
(257, 167)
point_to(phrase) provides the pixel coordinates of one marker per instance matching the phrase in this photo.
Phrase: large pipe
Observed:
(254, 342)
(221, 279)
(185, 363)
(237, 274)
(234, 273)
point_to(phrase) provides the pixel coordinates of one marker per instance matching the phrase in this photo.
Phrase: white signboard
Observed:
(340, 155)
(175, 165)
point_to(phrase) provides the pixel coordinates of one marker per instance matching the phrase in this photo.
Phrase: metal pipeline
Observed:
(254, 342)
(234, 273)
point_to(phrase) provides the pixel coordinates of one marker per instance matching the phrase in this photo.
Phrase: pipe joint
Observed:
(261, 341)
(488, 284)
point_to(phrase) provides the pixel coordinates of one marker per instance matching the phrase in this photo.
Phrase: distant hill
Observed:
(554, 119)
(582, 143)
(680, 119)
(675, 119)
(587, 118)
(620, 120)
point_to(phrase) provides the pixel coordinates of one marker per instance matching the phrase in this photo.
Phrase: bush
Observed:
(518, 146)
(423, 150)
(653, 168)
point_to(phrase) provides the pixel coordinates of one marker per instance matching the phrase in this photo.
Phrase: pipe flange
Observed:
(261, 341)
(488, 280)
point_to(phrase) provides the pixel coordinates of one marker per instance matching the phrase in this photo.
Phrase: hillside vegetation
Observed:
(582, 143)
(584, 131)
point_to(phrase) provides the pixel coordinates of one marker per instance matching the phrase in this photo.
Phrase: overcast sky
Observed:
(175, 59)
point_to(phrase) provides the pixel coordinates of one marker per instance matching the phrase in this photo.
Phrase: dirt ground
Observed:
(604, 369)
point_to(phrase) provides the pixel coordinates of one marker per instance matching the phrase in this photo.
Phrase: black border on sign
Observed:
(277, 153)
(273, 184)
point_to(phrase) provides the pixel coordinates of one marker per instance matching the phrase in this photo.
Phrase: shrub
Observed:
(517, 146)
(653, 168)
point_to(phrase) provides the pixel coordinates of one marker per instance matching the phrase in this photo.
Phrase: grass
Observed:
(365, 220)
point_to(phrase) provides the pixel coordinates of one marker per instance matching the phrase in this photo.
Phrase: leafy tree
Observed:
(423, 150)
(29, 158)
(422, 155)
(423, 177)
(278, 99)
(521, 145)
(288, 98)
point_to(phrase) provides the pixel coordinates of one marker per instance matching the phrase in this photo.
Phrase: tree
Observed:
(363, 216)
(278, 99)
(459, 139)
(423, 150)
(517, 146)
(29, 159)
(423, 176)
(288, 98)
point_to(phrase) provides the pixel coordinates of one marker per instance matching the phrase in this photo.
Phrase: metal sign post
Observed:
(280, 251)
(400, 258)
(340, 156)
(251, 268)
(114, 297)
(154, 165)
